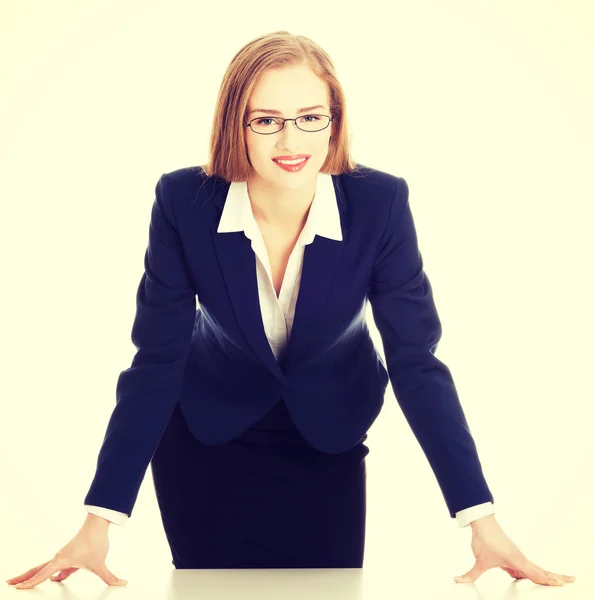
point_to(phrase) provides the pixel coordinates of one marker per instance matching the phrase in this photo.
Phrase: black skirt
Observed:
(266, 499)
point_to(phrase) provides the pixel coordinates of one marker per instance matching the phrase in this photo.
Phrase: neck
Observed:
(280, 208)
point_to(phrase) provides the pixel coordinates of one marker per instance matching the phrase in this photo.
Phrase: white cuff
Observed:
(115, 516)
(472, 513)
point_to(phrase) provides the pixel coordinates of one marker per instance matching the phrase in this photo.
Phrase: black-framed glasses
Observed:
(268, 125)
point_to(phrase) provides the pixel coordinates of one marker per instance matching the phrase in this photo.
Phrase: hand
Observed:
(87, 550)
(492, 548)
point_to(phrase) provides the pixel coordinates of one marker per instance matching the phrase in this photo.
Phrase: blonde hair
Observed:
(228, 151)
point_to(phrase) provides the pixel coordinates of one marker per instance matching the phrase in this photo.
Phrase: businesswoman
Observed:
(253, 409)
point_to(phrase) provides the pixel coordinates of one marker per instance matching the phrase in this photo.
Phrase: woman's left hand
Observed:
(492, 548)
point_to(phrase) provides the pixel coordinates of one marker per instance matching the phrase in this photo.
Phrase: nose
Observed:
(289, 132)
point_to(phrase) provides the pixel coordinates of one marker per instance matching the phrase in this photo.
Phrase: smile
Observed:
(291, 165)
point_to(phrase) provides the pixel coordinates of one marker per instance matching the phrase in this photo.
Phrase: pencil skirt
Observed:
(266, 499)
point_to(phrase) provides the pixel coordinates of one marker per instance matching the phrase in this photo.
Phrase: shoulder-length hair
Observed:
(228, 151)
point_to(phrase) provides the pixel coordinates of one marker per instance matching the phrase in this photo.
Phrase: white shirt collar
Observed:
(323, 218)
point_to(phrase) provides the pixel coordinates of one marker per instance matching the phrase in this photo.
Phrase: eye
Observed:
(259, 121)
(312, 116)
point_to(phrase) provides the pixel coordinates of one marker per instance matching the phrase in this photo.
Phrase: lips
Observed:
(293, 157)
(292, 167)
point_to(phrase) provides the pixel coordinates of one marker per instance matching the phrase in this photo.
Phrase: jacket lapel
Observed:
(320, 265)
(238, 265)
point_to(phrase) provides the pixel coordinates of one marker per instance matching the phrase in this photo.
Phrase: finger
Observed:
(537, 574)
(568, 578)
(28, 574)
(54, 566)
(474, 573)
(514, 573)
(64, 574)
(107, 576)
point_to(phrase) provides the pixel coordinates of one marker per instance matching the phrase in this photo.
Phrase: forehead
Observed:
(289, 91)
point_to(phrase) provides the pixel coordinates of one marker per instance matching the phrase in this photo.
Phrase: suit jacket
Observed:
(217, 362)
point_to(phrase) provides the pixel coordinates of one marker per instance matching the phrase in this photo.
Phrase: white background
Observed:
(484, 108)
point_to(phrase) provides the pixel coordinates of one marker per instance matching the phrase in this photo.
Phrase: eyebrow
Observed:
(269, 111)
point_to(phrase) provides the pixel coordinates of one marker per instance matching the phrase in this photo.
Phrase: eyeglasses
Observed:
(260, 125)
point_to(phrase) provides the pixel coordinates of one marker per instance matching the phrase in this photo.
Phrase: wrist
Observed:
(96, 522)
(482, 521)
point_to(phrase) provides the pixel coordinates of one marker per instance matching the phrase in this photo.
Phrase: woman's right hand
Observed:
(87, 550)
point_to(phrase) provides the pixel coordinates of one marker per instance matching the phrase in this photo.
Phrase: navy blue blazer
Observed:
(217, 362)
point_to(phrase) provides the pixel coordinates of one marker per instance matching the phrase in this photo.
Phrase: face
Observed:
(287, 90)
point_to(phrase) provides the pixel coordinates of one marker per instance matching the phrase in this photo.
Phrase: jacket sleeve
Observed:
(146, 392)
(407, 320)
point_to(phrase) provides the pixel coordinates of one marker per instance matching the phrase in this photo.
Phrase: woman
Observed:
(253, 410)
